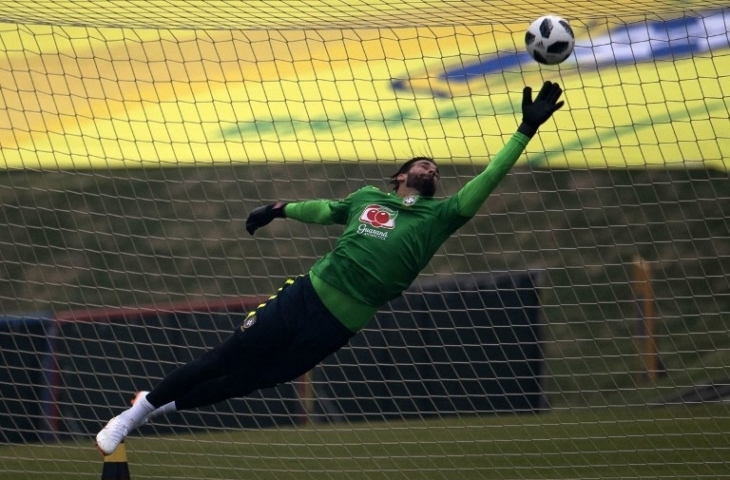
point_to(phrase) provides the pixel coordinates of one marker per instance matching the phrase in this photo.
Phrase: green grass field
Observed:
(677, 442)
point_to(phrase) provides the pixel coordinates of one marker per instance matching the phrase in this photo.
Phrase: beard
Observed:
(425, 184)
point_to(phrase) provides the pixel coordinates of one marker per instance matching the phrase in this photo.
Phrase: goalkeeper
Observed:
(387, 240)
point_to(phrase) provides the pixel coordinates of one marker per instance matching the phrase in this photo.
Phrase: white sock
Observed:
(165, 409)
(137, 413)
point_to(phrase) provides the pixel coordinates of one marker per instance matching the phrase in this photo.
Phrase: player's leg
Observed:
(224, 372)
(311, 333)
(319, 335)
(219, 389)
(263, 333)
(238, 356)
(227, 359)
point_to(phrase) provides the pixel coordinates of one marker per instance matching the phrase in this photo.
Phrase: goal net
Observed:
(577, 327)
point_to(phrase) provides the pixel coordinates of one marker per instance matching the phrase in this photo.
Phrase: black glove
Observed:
(538, 112)
(263, 216)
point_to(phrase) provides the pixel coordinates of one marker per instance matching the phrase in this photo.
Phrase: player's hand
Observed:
(262, 216)
(535, 113)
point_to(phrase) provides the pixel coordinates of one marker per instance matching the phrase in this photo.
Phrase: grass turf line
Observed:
(676, 442)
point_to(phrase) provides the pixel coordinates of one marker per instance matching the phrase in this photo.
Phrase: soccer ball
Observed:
(550, 40)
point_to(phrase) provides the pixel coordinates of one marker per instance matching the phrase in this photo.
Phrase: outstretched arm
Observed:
(309, 211)
(312, 211)
(534, 113)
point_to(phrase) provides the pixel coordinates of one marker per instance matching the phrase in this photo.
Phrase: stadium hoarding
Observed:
(645, 92)
(58, 393)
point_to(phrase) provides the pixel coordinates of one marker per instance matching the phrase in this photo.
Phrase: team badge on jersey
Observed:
(409, 200)
(379, 216)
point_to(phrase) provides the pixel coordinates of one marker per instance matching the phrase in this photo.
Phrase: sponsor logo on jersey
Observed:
(376, 221)
(379, 216)
(363, 229)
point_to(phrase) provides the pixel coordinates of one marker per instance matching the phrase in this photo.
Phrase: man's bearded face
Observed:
(424, 177)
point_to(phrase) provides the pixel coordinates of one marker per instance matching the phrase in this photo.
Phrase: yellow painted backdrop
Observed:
(123, 96)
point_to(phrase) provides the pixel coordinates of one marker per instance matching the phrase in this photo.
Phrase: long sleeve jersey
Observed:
(388, 240)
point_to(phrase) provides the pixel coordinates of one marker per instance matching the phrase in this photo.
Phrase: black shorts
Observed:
(288, 335)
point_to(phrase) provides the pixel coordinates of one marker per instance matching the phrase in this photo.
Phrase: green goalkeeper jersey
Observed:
(388, 239)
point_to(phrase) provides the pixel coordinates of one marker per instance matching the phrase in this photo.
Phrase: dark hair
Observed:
(405, 168)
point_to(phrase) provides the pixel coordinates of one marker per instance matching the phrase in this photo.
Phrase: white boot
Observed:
(114, 433)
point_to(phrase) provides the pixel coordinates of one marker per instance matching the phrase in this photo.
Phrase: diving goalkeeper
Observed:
(388, 239)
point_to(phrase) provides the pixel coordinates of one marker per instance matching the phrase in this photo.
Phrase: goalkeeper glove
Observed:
(538, 112)
(262, 216)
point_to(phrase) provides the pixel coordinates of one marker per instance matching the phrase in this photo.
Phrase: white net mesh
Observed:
(576, 328)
